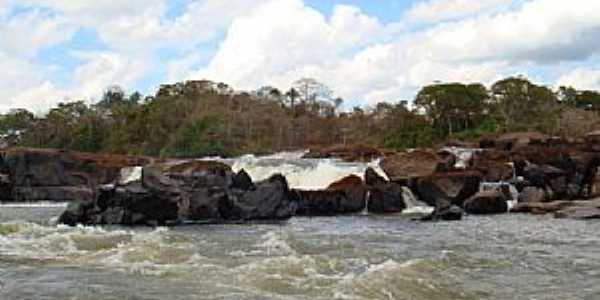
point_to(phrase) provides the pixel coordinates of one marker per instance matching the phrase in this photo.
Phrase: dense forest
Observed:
(198, 118)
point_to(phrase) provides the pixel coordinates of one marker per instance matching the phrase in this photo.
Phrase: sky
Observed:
(367, 51)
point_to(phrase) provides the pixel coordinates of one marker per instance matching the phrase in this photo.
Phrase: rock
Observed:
(533, 194)
(373, 178)
(514, 140)
(345, 196)
(51, 175)
(494, 165)
(352, 153)
(579, 213)
(270, 200)
(75, 213)
(541, 176)
(445, 211)
(412, 164)
(489, 202)
(242, 181)
(386, 198)
(455, 186)
(541, 208)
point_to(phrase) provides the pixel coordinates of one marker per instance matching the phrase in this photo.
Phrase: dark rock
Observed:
(386, 198)
(75, 213)
(242, 181)
(38, 174)
(490, 202)
(579, 213)
(445, 211)
(456, 187)
(494, 165)
(327, 203)
(372, 178)
(533, 194)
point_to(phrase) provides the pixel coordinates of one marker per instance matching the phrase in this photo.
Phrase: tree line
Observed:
(200, 118)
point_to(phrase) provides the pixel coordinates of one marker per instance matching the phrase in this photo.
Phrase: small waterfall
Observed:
(501, 186)
(366, 209)
(301, 173)
(463, 155)
(413, 205)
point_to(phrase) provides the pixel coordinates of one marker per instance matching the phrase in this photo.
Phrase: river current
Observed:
(350, 257)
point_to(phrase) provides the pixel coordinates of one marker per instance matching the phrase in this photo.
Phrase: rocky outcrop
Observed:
(386, 198)
(51, 175)
(198, 191)
(486, 203)
(345, 196)
(578, 210)
(403, 166)
(453, 186)
(532, 194)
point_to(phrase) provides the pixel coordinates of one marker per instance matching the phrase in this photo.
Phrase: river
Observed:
(350, 257)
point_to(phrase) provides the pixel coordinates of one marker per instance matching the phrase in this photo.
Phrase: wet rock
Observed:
(75, 213)
(386, 198)
(51, 175)
(327, 203)
(541, 208)
(242, 181)
(488, 202)
(373, 178)
(200, 191)
(533, 194)
(579, 213)
(455, 186)
(445, 211)
(270, 200)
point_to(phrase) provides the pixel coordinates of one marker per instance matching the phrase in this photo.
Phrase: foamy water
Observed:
(353, 257)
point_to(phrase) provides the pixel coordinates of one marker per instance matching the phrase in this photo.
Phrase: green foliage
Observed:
(200, 118)
(197, 139)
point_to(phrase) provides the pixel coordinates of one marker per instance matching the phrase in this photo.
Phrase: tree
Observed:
(520, 102)
(453, 107)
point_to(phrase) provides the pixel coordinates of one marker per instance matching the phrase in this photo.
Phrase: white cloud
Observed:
(432, 11)
(581, 78)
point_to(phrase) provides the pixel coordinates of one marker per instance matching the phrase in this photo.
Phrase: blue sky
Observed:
(366, 51)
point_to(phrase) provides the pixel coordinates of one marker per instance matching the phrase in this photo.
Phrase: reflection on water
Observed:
(354, 257)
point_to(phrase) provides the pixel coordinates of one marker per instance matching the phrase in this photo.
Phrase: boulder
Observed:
(580, 212)
(445, 211)
(373, 178)
(494, 165)
(412, 164)
(454, 186)
(51, 175)
(198, 191)
(488, 202)
(386, 198)
(533, 194)
(327, 203)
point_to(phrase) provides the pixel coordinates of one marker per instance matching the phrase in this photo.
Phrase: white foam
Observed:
(130, 174)
(307, 174)
(34, 204)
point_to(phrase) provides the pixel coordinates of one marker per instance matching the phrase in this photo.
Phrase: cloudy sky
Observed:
(367, 51)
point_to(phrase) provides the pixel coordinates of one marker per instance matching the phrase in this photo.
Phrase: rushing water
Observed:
(351, 257)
